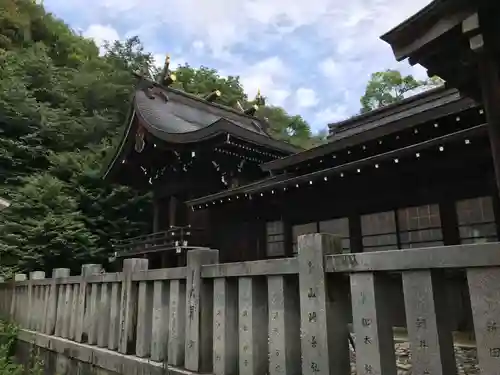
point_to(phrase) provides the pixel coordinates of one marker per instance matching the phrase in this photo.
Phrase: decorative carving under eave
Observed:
(139, 140)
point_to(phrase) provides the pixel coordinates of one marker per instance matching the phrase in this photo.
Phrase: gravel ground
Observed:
(466, 359)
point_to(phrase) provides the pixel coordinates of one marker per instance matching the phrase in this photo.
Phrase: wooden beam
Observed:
(490, 84)
(440, 28)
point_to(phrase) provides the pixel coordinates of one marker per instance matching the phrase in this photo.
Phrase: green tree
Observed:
(62, 110)
(390, 87)
(43, 227)
(202, 81)
(61, 107)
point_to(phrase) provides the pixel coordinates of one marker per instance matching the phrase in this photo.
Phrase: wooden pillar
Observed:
(156, 214)
(355, 234)
(172, 211)
(490, 85)
(449, 221)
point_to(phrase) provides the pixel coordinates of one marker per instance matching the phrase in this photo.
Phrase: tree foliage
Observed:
(62, 109)
(390, 87)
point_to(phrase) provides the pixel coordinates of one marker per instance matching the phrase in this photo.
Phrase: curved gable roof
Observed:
(178, 117)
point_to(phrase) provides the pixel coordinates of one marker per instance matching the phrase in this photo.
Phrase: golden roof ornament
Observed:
(252, 110)
(259, 99)
(213, 96)
(166, 78)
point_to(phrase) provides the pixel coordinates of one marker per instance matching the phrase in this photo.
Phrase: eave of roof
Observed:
(411, 112)
(401, 106)
(284, 180)
(416, 22)
(220, 126)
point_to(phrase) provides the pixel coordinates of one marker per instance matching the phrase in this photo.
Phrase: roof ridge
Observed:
(199, 99)
(443, 90)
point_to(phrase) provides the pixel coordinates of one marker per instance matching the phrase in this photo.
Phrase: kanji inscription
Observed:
(495, 352)
(421, 323)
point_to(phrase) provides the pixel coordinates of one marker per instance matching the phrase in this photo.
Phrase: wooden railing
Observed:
(281, 316)
(175, 237)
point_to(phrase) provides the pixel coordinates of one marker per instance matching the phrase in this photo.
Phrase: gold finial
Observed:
(259, 99)
(213, 96)
(171, 78)
(252, 110)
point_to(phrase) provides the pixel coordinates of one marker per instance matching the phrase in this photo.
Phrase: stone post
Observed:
(253, 326)
(176, 322)
(323, 308)
(82, 316)
(485, 302)
(60, 316)
(17, 307)
(429, 331)
(34, 300)
(128, 311)
(52, 301)
(160, 314)
(225, 326)
(199, 310)
(375, 343)
(114, 316)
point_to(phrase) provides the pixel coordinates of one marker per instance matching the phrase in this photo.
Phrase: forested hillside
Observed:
(62, 108)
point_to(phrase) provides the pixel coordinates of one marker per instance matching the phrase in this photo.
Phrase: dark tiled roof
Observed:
(413, 111)
(185, 113)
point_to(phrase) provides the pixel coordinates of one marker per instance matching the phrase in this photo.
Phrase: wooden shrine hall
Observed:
(422, 172)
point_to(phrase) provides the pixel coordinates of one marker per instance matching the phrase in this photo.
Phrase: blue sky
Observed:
(311, 57)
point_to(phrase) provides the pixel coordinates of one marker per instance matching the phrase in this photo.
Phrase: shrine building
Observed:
(422, 172)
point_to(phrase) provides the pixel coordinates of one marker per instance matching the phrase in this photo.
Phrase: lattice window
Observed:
(379, 231)
(275, 246)
(338, 227)
(476, 220)
(420, 226)
(299, 230)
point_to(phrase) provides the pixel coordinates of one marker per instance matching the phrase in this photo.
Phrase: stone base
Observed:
(65, 357)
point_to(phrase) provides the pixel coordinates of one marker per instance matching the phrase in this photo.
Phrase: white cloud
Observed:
(198, 46)
(279, 46)
(331, 115)
(101, 34)
(329, 68)
(270, 75)
(306, 97)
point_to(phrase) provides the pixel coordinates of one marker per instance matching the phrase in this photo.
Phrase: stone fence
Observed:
(279, 316)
